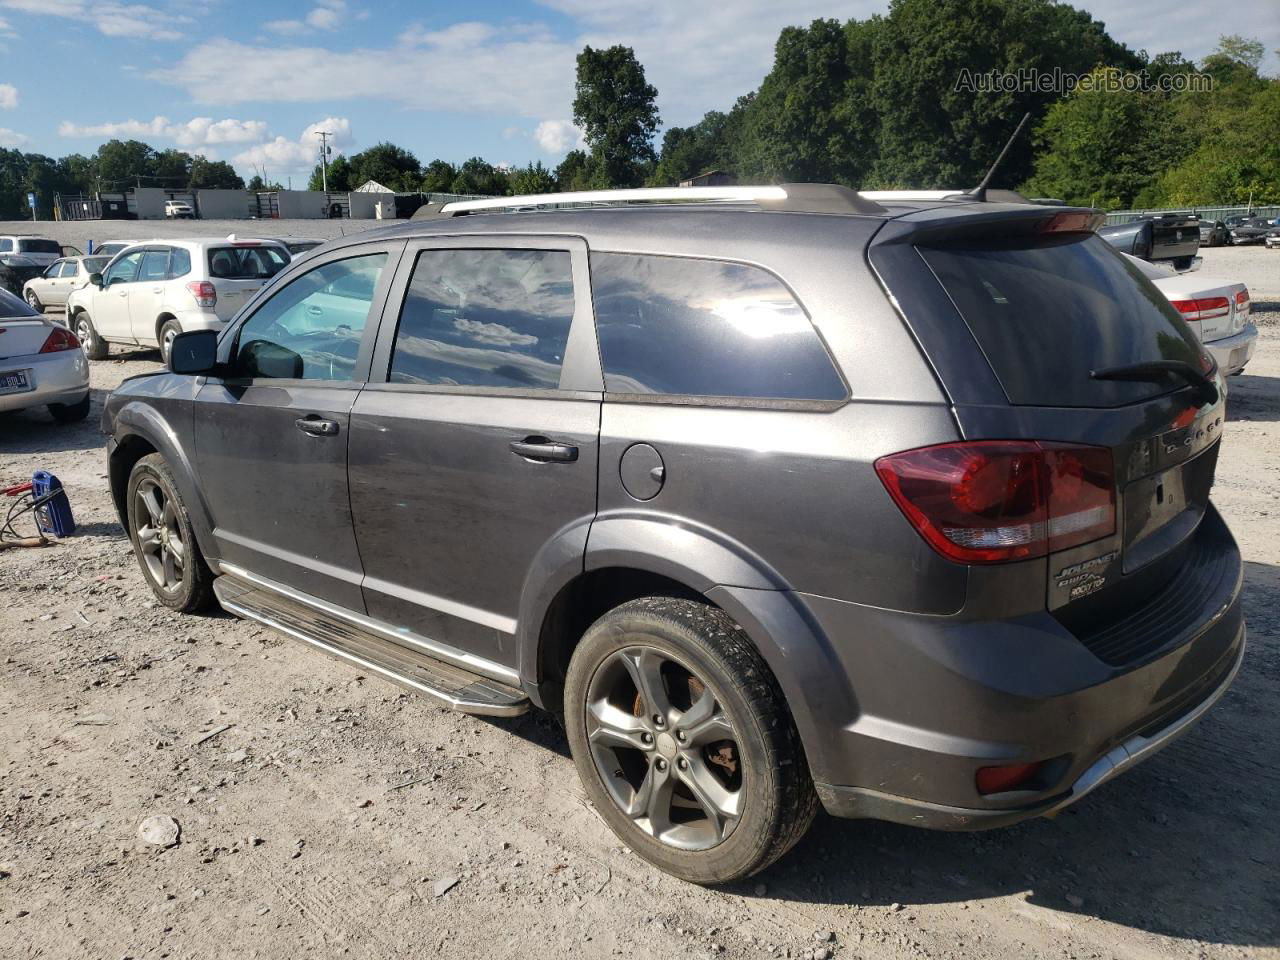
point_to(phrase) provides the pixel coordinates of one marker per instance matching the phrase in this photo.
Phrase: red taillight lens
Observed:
(60, 338)
(1003, 500)
(205, 293)
(1009, 777)
(1204, 308)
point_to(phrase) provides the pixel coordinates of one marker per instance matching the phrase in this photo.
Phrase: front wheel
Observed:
(33, 301)
(95, 348)
(163, 540)
(684, 742)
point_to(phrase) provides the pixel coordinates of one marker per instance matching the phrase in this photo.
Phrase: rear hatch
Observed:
(238, 270)
(1018, 310)
(1174, 236)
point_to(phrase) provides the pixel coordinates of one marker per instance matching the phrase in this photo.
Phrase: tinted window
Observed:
(179, 262)
(674, 325)
(490, 318)
(6, 246)
(245, 263)
(1049, 314)
(35, 245)
(14, 306)
(95, 264)
(311, 327)
(123, 270)
(155, 265)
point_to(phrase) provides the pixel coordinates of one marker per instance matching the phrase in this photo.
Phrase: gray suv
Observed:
(785, 499)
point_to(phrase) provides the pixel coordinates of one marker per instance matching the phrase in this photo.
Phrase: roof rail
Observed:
(992, 196)
(795, 197)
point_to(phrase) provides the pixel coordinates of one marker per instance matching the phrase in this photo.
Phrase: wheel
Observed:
(33, 301)
(70, 412)
(168, 331)
(684, 742)
(94, 347)
(163, 541)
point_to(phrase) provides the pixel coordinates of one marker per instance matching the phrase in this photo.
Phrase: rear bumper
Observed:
(61, 377)
(936, 698)
(1232, 353)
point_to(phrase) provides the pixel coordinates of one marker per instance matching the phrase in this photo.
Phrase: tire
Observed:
(168, 330)
(705, 667)
(33, 301)
(94, 347)
(180, 579)
(70, 412)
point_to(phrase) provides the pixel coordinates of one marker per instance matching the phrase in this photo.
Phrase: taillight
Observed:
(1003, 500)
(60, 338)
(206, 293)
(1004, 778)
(1205, 308)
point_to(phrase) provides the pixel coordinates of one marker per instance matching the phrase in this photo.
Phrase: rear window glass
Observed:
(1048, 315)
(32, 245)
(687, 327)
(12, 306)
(245, 263)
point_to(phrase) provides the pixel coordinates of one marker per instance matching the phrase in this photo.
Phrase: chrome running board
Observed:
(452, 686)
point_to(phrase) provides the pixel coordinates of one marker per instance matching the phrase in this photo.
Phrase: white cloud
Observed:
(558, 136)
(196, 132)
(11, 138)
(326, 15)
(111, 18)
(281, 155)
(8, 96)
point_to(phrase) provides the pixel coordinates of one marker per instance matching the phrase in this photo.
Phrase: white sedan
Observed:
(41, 364)
(1216, 310)
(59, 279)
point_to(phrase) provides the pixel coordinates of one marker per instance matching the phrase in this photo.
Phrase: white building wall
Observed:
(223, 204)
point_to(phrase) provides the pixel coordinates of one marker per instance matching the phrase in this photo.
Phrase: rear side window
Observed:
(179, 262)
(485, 318)
(705, 328)
(35, 245)
(245, 263)
(1046, 315)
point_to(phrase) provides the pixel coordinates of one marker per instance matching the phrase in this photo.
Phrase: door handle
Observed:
(317, 427)
(543, 450)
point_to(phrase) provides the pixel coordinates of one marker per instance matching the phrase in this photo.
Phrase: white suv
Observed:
(157, 289)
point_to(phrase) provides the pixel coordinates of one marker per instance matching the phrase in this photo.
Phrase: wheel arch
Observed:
(164, 317)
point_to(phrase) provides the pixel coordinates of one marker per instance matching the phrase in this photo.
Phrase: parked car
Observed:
(52, 287)
(1214, 233)
(1234, 220)
(41, 364)
(1216, 310)
(1254, 231)
(109, 248)
(152, 291)
(179, 209)
(1168, 237)
(1272, 239)
(41, 250)
(786, 500)
(16, 269)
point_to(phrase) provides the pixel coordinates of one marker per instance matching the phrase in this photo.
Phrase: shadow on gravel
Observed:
(99, 529)
(1253, 398)
(35, 430)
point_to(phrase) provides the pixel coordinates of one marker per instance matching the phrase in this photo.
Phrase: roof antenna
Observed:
(979, 193)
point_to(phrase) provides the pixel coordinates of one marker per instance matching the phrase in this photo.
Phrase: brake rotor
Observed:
(722, 753)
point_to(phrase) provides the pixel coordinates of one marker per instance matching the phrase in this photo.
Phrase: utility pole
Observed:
(324, 136)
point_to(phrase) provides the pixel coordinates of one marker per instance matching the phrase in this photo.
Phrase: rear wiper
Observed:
(1156, 370)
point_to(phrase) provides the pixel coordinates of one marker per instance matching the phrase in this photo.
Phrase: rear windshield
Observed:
(245, 263)
(39, 246)
(1048, 315)
(96, 264)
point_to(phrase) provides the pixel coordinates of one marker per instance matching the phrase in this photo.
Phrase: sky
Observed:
(252, 83)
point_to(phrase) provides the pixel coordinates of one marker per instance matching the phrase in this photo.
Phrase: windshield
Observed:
(36, 245)
(246, 263)
(1049, 313)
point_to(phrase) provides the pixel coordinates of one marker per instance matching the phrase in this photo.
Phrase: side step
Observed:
(463, 691)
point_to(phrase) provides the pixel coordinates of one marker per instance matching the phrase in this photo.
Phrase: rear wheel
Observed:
(70, 412)
(163, 540)
(168, 331)
(683, 741)
(94, 347)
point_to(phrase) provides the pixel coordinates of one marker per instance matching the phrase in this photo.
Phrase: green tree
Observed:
(213, 175)
(121, 162)
(169, 168)
(438, 176)
(532, 179)
(574, 171)
(614, 105)
(339, 176)
(388, 164)
(688, 151)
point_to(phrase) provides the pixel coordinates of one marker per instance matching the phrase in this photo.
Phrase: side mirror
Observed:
(194, 352)
(265, 359)
(96, 279)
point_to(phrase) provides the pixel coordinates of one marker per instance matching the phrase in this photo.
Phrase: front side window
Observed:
(310, 329)
(705, 328)
(485, 318)
(155, 265)
(124, 270)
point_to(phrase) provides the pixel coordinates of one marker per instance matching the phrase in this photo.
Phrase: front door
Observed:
(148, 294)
(110, 311)
(272, 435)
(475, 441)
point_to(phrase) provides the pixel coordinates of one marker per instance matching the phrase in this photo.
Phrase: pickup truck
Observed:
(1160, 238)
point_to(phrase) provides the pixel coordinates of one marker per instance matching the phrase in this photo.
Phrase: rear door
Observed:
(475, 443)
(1046, 308)
(239, 270)
(272, 435)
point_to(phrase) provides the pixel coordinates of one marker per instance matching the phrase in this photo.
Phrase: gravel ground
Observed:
(323, 813)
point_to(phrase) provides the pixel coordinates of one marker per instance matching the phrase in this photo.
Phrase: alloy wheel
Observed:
(166, 344)
(664, 748)
(159, 535)
(32, 300)
(84, 333)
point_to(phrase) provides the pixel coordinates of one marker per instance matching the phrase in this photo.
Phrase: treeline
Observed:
(117, 165)
(400, 170)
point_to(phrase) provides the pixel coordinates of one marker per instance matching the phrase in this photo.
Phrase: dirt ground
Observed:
(325, 814)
